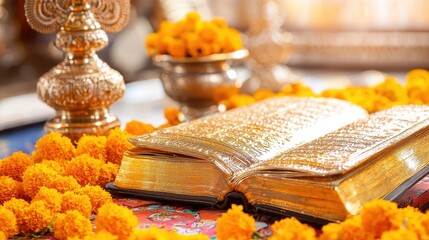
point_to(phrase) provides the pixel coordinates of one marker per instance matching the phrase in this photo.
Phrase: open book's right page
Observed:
(348, 147)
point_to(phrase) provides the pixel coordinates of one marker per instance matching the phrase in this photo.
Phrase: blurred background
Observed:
(357, 35)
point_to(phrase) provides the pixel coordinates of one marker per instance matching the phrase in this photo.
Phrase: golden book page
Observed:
(238, 138)
(344, 149)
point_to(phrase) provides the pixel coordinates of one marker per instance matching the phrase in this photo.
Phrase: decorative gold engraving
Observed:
(82, 87)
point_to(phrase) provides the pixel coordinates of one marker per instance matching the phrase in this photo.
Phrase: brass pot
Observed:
(197, 84)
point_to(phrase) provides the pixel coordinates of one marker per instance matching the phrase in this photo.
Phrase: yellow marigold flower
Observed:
(238, 100)
(220, 22)
(290, 228)
(9, 189)
(193, 16)
(17, 206)
(63, 184)
(97, 196)
(15, 165)
(330, 231)
(162, 45)
(151, 43)
(177, 48)
(262, 94)
(138, 128)
(37, 217)
(418, 88)
(107, 173)
(192, 22)
(197, 47)
(84, 169)
(37, 176)
(3, 236)
(232, 41)
(51, 197)
(101, 235)
(412, 219)
(235, 224)
(297, 89)
(116, 144)
(71, 225)
(94, 146)
(155, 233)
(209, 32)
(8, 223)
(116, 219)
(166, 27)
(178, 29)
(54, 165)
(74, 201)
(399, 234)
(352, 229)
(418, 73)
(53, 146)
(377, 216)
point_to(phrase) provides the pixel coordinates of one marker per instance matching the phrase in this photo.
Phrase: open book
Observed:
(314, 158)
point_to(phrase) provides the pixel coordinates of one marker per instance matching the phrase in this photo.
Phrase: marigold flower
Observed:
(151, 43)
(197, 47)
(116, 144)
(173, 115)
(107, 173)
(37, 217)
(417, 86)
(54, 165)
(297, 89)
(53, 146)
(412, 219)
(155, 233)
(290, 228)
(9, 189)
(8, 224)
(15, 165)
(177, 48)
(74, 201)
(262, 94)
(238, 100)
(116, 219)
(232, 41)
(51, 197)
(71, 225)
(352, 229)
(235, 224)
(399, 234)
(84, 169)
(3, 236)
(94, 146)
(17, 206)
(377, 216)
(102, 235)
(37, 176)
(63, 184)
(330, 231)
(97, 196)
(138, 128)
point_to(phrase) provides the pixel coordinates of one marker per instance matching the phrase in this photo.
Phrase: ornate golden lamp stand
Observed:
(82, 87)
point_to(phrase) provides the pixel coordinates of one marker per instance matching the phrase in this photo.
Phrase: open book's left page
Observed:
(236, 139)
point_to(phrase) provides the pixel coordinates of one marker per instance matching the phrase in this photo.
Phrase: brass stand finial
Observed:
(82, 87)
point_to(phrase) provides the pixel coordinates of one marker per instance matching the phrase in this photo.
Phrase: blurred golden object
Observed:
(82, 87)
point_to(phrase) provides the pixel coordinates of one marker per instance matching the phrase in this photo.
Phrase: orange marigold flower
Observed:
(151, 43)
(84, 169)
(290, 228)
(177, 48)
(71, 225)
(54, 165)
(37, 217)
(262, 94)
(377, 216)
(352, 229)
(156, 233)
(297, 89)
(116, 144)
(94, 146)
(232, 41)
(53, 146)
(102, 235)
(37, 176)
(173, 115)
(15, 165)
(3, 236)
(330, 231)
(17, 206)
(412, 219)
(107, 173)
(8, 224)
(63, 184)
(238, 100)
(235, 224)
(74, 201)
(9, 189)
(399, 234)
(97, 196)
(197, 47)
(138, 128)
(51, 197)
(116, 219)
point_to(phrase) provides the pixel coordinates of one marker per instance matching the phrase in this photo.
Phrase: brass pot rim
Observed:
(236, 55)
